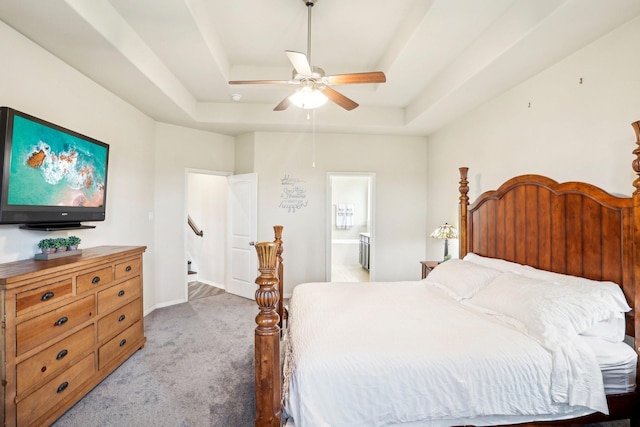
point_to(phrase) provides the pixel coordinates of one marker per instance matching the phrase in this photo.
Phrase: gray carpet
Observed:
(195, 370)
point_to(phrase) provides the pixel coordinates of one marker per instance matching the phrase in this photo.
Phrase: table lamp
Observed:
(446, 231)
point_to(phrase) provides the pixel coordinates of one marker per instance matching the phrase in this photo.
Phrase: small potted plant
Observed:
(73, 241)
(61, 244)
(47, 246)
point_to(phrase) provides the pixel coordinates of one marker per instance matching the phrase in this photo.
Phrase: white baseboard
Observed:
(164, 304)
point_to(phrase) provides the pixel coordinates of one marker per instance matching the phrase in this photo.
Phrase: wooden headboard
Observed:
(569, 228)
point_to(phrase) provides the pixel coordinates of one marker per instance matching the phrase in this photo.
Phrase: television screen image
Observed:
(51, 177)
(49, 167)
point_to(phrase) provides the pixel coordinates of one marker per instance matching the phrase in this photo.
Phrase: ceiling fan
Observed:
(314, 86)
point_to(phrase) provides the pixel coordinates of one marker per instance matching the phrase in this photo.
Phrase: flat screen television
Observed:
(52, 178)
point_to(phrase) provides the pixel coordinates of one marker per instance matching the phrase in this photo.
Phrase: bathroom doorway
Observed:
(350, 227)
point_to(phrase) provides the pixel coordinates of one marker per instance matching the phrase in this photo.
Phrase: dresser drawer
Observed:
(129, 268)
(48, 326)
(123, 343)
(118, 295)
(89, 281)
(47, 363)
(119, 320)
(44, 296)
(55, 391)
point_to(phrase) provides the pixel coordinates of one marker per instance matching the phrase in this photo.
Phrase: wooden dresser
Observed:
(67, 323)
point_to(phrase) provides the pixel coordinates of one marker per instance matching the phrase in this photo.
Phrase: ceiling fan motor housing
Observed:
(317, 74)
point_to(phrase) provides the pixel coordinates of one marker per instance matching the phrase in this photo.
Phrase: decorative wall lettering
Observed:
(294, 195)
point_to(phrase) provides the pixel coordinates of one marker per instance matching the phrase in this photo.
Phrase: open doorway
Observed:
(206, 232)
(350, 227)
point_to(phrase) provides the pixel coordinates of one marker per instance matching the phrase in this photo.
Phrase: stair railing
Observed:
(194, 227)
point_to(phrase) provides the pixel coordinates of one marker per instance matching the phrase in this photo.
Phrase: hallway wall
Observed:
(177, 150)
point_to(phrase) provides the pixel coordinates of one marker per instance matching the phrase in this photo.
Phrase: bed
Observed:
(534, 323)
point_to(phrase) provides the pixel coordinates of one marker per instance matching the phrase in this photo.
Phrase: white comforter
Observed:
(378, 354)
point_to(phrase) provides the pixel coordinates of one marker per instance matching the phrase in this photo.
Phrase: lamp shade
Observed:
(445, 231)
(308, 98)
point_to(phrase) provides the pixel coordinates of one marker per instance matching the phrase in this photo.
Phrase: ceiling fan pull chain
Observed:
(313, 140)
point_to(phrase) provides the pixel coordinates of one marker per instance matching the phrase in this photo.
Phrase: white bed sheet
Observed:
(618, 363)
(480, 371)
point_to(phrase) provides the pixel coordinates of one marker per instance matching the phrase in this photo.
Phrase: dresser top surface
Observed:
(19, 270)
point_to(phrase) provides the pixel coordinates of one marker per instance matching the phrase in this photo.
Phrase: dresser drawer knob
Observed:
(123, 342)
(62, 386)
(61, 321)
(95, 280)
(121, 293)
(62, 354)
(47, 296)
(128, 269)
(121, 318)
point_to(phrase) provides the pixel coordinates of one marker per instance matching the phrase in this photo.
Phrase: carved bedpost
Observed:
(277, 229)
(636, 162)
(636, 243)
(267, 339)
(464, 204)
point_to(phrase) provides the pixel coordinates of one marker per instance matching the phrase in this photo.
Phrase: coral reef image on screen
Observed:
(54, 168)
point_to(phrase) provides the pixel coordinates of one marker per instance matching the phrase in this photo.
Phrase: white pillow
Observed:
(460, 279)
(551, 312)
(495, 263)
(611, 330)
(610, 289)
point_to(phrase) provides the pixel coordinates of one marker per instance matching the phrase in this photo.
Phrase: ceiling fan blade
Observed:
(299, 62)
(284, 104)
(345, 79)
(259, 82)
(339, 99)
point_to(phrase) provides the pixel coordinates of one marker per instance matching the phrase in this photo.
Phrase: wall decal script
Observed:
(293, 196)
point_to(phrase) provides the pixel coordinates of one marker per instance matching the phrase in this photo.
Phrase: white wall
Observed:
(39, 84)
(570, 132)
(400, 199)
(177, 150)
(244, 153)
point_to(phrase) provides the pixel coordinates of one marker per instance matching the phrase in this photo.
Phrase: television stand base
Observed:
(55, 226)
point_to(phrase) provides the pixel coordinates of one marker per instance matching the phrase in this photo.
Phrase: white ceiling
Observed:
(172, 59)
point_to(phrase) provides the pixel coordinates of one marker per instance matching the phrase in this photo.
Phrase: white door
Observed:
(242, 267)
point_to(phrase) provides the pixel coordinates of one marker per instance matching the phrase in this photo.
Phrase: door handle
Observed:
(252, 243)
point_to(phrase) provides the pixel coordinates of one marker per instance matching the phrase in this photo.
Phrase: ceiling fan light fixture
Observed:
(308, 98)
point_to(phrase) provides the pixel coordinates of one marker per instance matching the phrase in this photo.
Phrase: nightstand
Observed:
(427, 266)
